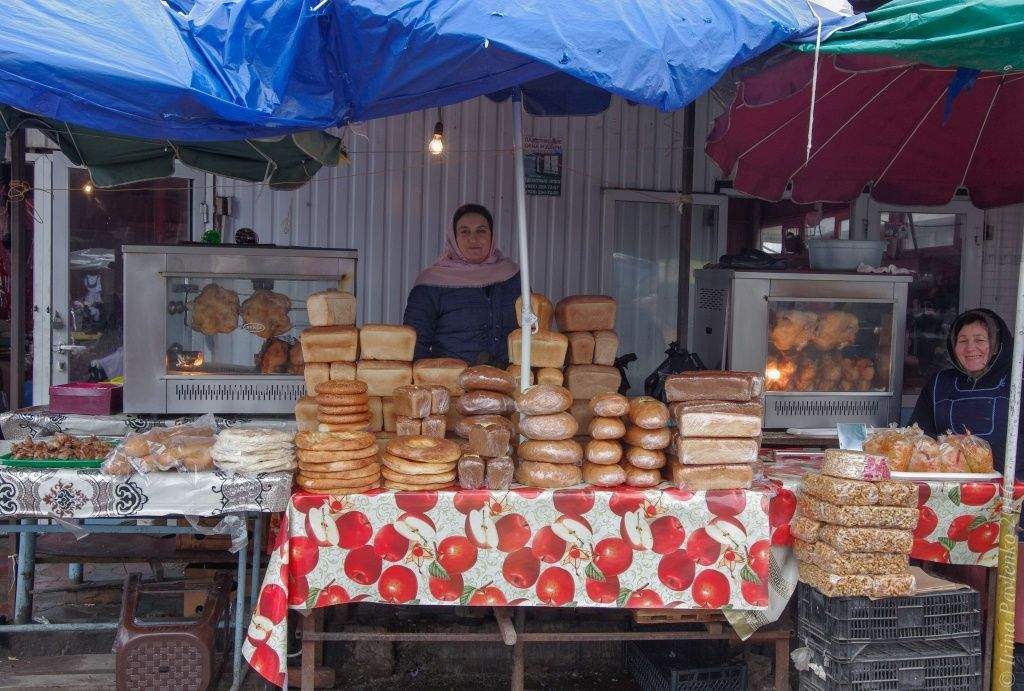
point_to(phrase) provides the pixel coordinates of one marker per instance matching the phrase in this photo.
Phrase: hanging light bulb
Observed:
(436, 144)
(87, 188)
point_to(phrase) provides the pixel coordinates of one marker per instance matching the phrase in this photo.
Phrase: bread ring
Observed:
(343, 419)
(648, 438)
(344, 387)
(424, 449)
(603, 452)
(405, 487)
(408, 467)
(315, 457)
(338, 399)
(334, 441)
(395, 476)
(347, 427)
(339, 467)
(346, 490)
(606, 428)
(645, 459)
(311, 483)
(343, 409)
(363, 474)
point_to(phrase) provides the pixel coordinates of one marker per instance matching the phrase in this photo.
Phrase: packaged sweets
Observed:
(855, 465)
(840, 490)
(897, 493)
(834, 585)
(829, 559)
(866, 539)
(804, 528)
(859, 516)
(973, 453)
(895, 443)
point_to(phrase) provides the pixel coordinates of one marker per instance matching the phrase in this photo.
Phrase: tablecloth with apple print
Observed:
(576, 547)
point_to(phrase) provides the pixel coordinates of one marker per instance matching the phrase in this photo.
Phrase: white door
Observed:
(649, 269)
(77, 271)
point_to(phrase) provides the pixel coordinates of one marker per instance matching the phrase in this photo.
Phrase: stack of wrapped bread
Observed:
(647, 437)
(342, 406)
(488, 461)
(417, 462)
(487, 397)
(718, 427)
(589, 323)
(330, 346)
(444, 372)
(421, 410)
(337, 462)
(854, 531)
(644, 433)
(547, 349)
(549, 457)
(603, 452)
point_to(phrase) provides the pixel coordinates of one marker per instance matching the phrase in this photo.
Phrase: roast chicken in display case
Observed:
(214, 328)
(830, 345)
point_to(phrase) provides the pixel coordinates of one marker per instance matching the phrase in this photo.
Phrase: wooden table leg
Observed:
(782, 663)
(518, 653)
(309, 625)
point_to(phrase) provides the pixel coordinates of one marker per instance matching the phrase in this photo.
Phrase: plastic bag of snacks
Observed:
(183, 447)
(895, 443)
(970, 451)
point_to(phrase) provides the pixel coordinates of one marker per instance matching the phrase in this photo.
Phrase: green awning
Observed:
(283, 163)
(980, 34)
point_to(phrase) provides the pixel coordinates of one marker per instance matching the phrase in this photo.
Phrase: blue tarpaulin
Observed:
(204, 70)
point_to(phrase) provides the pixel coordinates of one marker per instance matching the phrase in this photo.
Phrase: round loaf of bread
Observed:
(555, 426)
(647, 459)
(404, 465)
(564, 451)
(484, 403)
(548, 475)
(603, 451)
(652, 439)
(199, 461)
(607, 428)
(487, 378)
(417, 447)
(647, 412)
(609, 405)
(463, 424)
(603, 475)
(544, 399)
(341, 387)
(640, 477)
(336, 400)
(135, 445)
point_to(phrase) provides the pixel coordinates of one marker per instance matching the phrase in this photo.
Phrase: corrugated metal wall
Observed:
(1004, 229)
(394, 201)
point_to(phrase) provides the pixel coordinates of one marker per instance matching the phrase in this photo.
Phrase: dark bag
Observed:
(678, 360)
(621, 363)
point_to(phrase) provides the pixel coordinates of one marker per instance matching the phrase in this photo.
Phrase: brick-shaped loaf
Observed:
(387, 342)
(698, 451)
(331, 308)
(472, 472)
(585, 313)
(540, 306)
(382, 377)
(306, 411)
(315, 373)
(343, 371)
(330, 343)
(442, 371)
(412, 401)
(435, 426)
(717, 419)
(489, 439)
(714, 385)
(706, 477)
(551, 376)
(581, 348)
(586, 381)
(547, 348)
(606, 347)
(440, 399)
(376, 405)
(500, 472)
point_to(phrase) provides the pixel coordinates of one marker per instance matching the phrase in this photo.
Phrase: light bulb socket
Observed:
(438, 129)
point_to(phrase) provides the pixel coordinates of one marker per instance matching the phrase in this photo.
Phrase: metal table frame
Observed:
(29, 528)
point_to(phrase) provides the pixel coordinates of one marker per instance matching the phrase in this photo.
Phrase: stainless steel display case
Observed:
(830, 344)
(172, 366)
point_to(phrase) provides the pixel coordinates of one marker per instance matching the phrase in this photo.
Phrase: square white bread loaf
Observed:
(585, 313)
(606, 347)
(443, 371)
(547, 348)
(330, 343)
(387, 342)
(382, 377)
(331, 308)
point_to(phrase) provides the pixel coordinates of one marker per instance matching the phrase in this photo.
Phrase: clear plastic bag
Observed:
(185, 447)
(895, 443)
(972, 453)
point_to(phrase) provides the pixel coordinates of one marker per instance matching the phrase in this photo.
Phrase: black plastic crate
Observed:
(931, 616)
(848, 651)
(925, 665)
(653, 670)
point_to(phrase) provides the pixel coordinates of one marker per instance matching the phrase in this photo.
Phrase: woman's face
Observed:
(972, 347)
(473, 236)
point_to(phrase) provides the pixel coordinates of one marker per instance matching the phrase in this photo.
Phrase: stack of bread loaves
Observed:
(551, 347)
(443, 371)
(647, 437)
(337, 462)
(589, 322)
(488, 462)
(421, 410)
(718, 426)
(487, 398)
(603, 466)
(385, 364)
(329, 348)
(417, 462)
(550, 457)
(853, 533)
(342, 406)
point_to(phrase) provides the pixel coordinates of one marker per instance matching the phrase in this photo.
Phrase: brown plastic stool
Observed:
(160, 656)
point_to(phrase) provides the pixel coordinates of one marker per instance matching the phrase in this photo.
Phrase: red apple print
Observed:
(678, 494)
(575, 502)
(490, 596)
(977, 493)
(959, 527)
(304, 553)
(781, 507)
(449, 590)
(759, 558)
(926, 522)
(416, 502)
(613, 556)
(389, 544)
(265, 661)
(603, 592)
(624, 500)
(930, 551)
(303, 502)
(645, 597)
(726, 502)
(755, 593)
(702, 549)
(783, 536)
(298, 591)
(273, 603)
(332, 595)
(467, 500)
(924, 491)
(547, 546)
(363, 565)
(636, 531)
(521, 568)
(668, 533)
(676, 570)
(354, 530)
(528, 493)
(983, 538)
(555, 587)
(513, 532)
(376, 492)
(397, 584)
(456, 554)
(710, 589)
(1018, 490)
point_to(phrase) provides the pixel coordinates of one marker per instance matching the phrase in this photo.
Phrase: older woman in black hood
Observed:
(973, 395)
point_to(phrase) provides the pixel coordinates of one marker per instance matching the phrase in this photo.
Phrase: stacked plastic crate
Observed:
(929, 641)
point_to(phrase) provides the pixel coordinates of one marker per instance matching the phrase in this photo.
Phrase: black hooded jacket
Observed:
(956, 401)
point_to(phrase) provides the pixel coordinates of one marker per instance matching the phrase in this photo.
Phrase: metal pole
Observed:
(26, 575)
(236, 679)
(19, 256)
(528, 317)
(257, 553)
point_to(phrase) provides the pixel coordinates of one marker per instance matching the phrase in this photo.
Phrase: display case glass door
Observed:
(79, 277)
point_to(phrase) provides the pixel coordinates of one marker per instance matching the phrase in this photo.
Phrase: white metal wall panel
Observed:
(394, 201)
(1001, 259)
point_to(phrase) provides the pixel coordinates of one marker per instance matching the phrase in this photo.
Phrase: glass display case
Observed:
(215, 328)
(829, 344)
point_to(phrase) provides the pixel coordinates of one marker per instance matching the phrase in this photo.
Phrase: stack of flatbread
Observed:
(337, 462)
(419, 462)
(254, 450)
(342, 406)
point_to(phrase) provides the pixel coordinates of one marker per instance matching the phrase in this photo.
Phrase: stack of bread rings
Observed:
(337, 462)
(550, 457)
(342, 406)
(417, 462)
(647, 436)
(604, 450)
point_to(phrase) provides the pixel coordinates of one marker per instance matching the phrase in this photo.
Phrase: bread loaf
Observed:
(440, 399)
(587, 381)
(585, 313)
(581, 348)
(305, 414)
(705, 477)
(463, 425)
(606, 428)
(548, 475)
(648, 459)
(603, 451)
(444, 371)
(695, 451)
(609, 404)
(329, 343)
(387, 404)
(606, 347)
(343, 371)
(482, 402)
(387, 342)
(382, 377)
(412, 401)
(581, 413)
(543, 399)
(408, 426)
(641, 477)
(516, 372)
(547, 348)
(603, 475)
(315, 373)
(540, 306)
(651, 439)
(487, 378)
(331, 308)
(714, 385)
(376, 405)
(563, 451)
(499, 473)
(648, 413)
(489, 439)
(434, 426)
(717, 419)
(551, 427)
(551, 376)
(472, 469)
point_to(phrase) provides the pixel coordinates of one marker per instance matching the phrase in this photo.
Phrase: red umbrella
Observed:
(877, 122)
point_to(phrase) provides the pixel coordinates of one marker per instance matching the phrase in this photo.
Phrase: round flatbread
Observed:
(408, 467)
(355, 456)
(339, 467)
(343, 419)
(349, 427)
(343, 409)
(433, 478)
(254, 436)
(405, 487)
(314, 484)
(364, 474)
(341, 386)
(337, 399)
(417, 447)
(341, 491)
(334, 441)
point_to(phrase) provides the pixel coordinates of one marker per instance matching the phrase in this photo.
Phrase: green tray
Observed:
(50, 463)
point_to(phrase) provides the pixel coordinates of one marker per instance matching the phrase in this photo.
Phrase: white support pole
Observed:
(529, 320)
